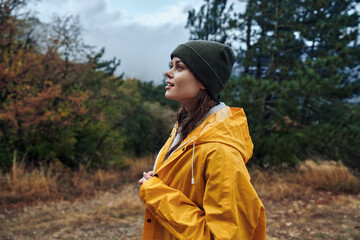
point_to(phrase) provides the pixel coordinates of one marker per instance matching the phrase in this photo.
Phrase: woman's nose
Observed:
(169, 74)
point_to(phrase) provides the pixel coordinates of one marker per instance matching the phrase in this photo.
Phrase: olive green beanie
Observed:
(210, 62)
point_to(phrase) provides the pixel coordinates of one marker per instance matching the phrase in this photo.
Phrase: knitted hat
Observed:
(210, 62)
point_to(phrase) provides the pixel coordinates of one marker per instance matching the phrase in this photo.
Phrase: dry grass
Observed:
(138, 166)
(56, 182)
(59, 183)
(325, 175)
(328, 175)
(277, 186)
(128, 203)
(23, 185)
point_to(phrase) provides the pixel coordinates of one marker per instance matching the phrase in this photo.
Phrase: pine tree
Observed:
(212, 22)
(299, 73)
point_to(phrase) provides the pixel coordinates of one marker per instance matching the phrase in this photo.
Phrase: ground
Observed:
(118, 214)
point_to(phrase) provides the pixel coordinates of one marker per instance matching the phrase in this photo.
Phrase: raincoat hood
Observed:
(227, 126)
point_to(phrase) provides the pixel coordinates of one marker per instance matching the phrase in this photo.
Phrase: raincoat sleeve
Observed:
(231, 207)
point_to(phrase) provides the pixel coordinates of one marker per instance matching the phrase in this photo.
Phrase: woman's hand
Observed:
(146, 176)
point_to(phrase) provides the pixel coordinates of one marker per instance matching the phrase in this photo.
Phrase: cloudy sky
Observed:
(141, 33)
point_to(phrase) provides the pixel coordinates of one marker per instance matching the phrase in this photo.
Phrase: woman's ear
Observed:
(201, 85)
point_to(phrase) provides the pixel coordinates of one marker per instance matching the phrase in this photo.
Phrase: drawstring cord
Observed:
(192, 165)
(192, 158)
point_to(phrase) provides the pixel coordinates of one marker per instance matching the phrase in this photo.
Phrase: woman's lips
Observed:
(169, 85)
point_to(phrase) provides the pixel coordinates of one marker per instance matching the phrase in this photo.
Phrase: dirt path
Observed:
(119, 215)
(324, 216)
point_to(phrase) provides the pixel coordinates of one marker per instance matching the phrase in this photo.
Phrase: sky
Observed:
(141, 33)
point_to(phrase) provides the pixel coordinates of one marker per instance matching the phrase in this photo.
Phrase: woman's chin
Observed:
(168, 95)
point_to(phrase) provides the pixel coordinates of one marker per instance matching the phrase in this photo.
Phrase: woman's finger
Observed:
(142, 180)
(147, 176)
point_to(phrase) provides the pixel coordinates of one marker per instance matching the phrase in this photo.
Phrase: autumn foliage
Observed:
(60, 101)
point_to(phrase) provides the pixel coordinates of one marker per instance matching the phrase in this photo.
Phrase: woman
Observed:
(200, 187)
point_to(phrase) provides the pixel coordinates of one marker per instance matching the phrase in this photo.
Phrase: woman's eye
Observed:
(179, 67)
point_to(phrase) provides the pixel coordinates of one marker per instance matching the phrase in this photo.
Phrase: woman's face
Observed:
(182, 85)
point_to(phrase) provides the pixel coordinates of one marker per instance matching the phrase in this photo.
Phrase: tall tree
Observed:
(299, 63)
(212, 22)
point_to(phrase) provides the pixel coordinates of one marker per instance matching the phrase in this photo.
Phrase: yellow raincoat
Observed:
(222, 203)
